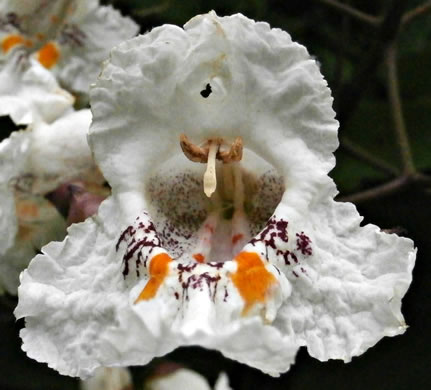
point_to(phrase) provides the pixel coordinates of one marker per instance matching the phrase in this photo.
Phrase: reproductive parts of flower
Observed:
(220, 255)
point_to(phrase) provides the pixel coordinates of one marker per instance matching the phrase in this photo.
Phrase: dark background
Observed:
(353, 56)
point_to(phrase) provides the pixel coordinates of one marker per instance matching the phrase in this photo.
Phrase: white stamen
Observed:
(210, 179)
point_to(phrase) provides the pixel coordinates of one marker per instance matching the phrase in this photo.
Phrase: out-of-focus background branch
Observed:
(376, 56)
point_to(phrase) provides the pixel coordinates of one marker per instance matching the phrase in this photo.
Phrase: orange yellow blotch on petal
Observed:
(199, 257)
(13, 40)
(253, 281)
(49, 55)
(159, 269)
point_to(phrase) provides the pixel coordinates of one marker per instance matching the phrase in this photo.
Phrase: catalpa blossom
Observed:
(184, 378)
(116, 378)
(222, 230)
(69, 37)
(34, 162)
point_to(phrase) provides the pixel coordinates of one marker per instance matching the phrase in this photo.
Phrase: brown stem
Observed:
(396, 109)
(156, 9)
(386, 189)
(352, 91)
(348, 10)
(367, 157)
(409, 16)
(377, 192)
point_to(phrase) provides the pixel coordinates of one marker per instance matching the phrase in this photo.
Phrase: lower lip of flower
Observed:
(199, 237)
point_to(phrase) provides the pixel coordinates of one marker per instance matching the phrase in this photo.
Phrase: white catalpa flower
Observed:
(222, 230)
(115, 378)
(69, 37)
(33, 163)
(30, 94)
(184, 378)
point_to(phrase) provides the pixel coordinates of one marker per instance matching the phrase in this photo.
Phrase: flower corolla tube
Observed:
(69, 37)
(222, 230)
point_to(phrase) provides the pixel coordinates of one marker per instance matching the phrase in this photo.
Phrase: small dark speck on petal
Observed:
(207, 91)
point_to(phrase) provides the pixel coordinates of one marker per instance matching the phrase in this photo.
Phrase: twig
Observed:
(157, 9)
(348, 10)
(377, 192)
(352, 91)
(385, 189)
(333, 42)
(369, 158)
(396, 109)
(415, 12)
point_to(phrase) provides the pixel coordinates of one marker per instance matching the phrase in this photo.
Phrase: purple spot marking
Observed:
(303, 244)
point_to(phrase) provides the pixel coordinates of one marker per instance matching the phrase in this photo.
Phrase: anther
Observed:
(193, 152)
(233, 154)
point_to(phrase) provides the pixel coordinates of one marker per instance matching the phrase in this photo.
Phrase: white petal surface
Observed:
(347, 281)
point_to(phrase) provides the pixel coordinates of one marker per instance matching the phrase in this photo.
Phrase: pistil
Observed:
(210, 178)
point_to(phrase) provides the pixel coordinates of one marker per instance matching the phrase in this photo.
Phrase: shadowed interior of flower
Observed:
(205, 210)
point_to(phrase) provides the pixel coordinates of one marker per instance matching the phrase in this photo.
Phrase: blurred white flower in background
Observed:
(34, 162)
(44, 43)
(115, 378)
(30, 94)
(184, 378)
(69, 37)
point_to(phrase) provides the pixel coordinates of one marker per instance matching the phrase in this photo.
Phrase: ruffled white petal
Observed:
(347, 280)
